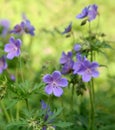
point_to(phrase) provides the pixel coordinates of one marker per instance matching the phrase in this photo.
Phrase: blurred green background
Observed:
(50, 17)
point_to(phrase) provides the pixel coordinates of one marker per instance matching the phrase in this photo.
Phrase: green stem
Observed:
(72, 99)
(17, 110)
(27, 104)
(92, 110)
(62, 105)
(5, 111)
(21, 68)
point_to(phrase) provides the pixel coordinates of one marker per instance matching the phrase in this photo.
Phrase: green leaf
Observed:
(16, 124)
(54, 115)
(63, 124)
(13, 102)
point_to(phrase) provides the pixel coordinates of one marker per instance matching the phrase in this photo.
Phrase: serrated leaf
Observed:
(16, 124)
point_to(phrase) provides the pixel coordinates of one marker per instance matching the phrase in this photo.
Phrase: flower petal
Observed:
(95, 73)
(47, 78)
(18, 43)
(12, 40)
(9, 47)
(11, 55)
(57, 91)
(83, 14)
(86, 77)
(94, 65)
(56, 75)
(62, 82)
(63, 59)
(49, 89)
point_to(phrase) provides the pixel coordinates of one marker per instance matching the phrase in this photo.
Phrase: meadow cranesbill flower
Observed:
(79, 64)
(77, 47)
(68, 29)
(28, 28)
(3, 64)
(18, 29)
(13, 48)
(4, 27)
(55, 83)
(90, 12)
(88, 70)
(67, 62)
(24, 26)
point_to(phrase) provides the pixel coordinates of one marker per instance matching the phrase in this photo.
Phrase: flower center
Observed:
(54, 84)
(88, 71)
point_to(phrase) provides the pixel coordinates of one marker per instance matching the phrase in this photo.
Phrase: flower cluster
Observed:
(82, 66)
(24, 26)
(13, 48)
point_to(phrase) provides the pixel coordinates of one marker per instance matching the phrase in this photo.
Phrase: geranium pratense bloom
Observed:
(55, 82)
(18, 29)
(67, 62)
(68, 29)
(85, 68)
(3, 64)
(90, 12)
(88, 70)
(28, 28)
(79, 64)
(13, 48)
(24, 26)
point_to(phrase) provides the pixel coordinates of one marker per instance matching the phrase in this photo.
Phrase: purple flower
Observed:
(67, 62)
(24, 26)
(90, 12)
(13, 48)
(3, 64)
(4, 27)
(68, 29)
(18, 29)
(54, 83)
(83, 14)
(89, 70)
(28, 28)
(85, 68)
(48, 113)
(44, 105)
(79, 64)
(12, 77)
(77, 47)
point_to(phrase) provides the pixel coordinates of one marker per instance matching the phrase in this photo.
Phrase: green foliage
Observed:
(20, 107)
